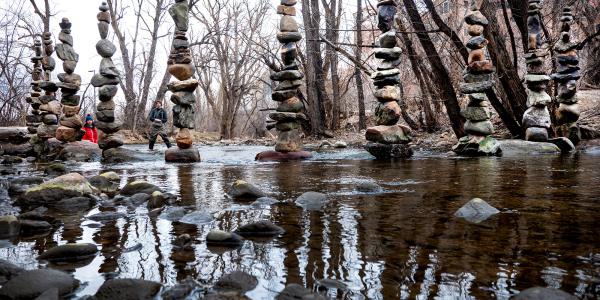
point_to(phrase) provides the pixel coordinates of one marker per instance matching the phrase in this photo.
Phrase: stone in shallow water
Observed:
(106, 216)
(52, 191)
(282, 156)
(476, 211)
(520, 148)
(388, 151)
(9, 226)
(177, 155)
(243, 189)
(31, 284)
(396, 134)
(564, 144)
(473, 145)
(70, 252)
(139, 187)
(127, 289)
(197, 218)
(536, 134)
(223, 238)
(541, 293)
(260, 228)
(237, 281)
(312, 200)
(295, 291)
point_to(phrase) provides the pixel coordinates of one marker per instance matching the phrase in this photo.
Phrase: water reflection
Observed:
(403, 243)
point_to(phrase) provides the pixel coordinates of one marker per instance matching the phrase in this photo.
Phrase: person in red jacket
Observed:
(91, 133)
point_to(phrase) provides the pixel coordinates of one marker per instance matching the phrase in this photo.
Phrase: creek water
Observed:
(400, 243)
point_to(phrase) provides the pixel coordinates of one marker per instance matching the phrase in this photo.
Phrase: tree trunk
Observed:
(508, 75)
(331, 26)
(447, 30)
(440, 73)
(362, 118)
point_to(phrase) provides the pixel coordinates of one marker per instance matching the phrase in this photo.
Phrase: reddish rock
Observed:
(66, 134)
(177, 155)
(184, 138)
(181, 71)
(481, 67)
(282, 156)
(396, 134)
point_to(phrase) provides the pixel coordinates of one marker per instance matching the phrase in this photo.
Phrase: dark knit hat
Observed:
(89, 118)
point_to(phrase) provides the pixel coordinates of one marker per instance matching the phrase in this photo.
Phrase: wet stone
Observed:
(260, 229)
(223, 238)
(476, 211)
(31, 284)
(69, 252)
(243, 189)
(542, 293)
(312, 201)
(127, 289)
(237, 281)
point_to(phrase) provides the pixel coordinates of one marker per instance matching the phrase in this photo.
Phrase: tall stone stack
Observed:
(477, 79)
(388, 139)
(50, 108)
(34, 119)
(536, 119)
(106, 81)
(183, 98)
(286, 119)
(70, 82)
(566, 76)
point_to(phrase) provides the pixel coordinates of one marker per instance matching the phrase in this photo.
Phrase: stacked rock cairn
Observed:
(387, 139)
(106, 81)
(536, 119)
(477, 79)
(566, 76)
(290, 78)
(183, 98)
(50, 108)
(34, 119)
(70, 82)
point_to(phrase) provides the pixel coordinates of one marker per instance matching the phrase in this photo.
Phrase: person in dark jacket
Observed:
(91, 133)
(158, 118)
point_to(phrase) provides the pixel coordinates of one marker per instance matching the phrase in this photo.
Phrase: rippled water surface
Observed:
(400, 243)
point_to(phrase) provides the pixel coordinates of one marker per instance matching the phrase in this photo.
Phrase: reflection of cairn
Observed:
(70, 122)
(50, 108)
(180, 66)
(34, 119)
(107, 83)
(477, 79)
(536, 118)
(387, 139)
(567, 75)
(286, 119)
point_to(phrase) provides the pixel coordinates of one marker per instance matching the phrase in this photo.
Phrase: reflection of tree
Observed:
(181, 257)
(108, 238)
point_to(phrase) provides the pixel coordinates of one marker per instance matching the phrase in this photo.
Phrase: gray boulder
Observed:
(541, 293)
(9, 227)
(260, 228)
(31, 284)
(127, 289)
(236, 281)
(8, 271)
(197, 218)
(520, 148)
(50, 192)
(70, 252)
(223, 239)
(243, 189)
(137, 187)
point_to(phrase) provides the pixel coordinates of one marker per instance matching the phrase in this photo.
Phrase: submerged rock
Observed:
(181, 290)
(332, 284)
(223, 238)
(264, 202)
(295, 291)
(236, 281)
(243, 189)
(33, 227)
(74, 204)
(564, 144)
(9, 227)
(50, 192)
(19, 186)
(541, 293)
(197, 218)
(31, 284)
(172, 214)
(139, 187)
(476, 211)
(8, 271)
(106, 216)
(127, 289)
(55, 169)
(70, 252)
(260, 228)
(312, 200)
(368, 187)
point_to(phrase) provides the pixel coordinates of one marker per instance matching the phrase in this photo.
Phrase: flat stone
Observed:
(388, 53)
(177, 155)
(197, 218)
(65, 186)
(396, 134)
(286, 116)
(260, 229)
(292, 105)
(184, 85)
(99, 80)
(476, 18)
(66, 52)
(474, 145)
(70, 78)
(106, 216)
(481, 67)
(287, 75)
(286, 10)
(536, 78)
(288, 85)
(284, 95)
(288, 37)
(475, 87)
(476, 211)
(108, 127)
(388, 93)
(183, 98)
(538, 98)
(70, 252)
(282, 156)
(479, 128)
